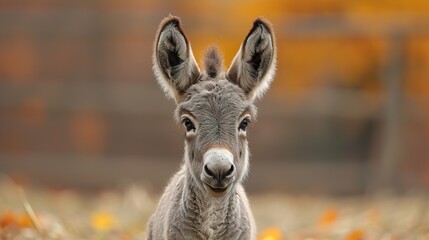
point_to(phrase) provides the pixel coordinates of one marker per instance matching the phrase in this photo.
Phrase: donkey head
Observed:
(215, 106)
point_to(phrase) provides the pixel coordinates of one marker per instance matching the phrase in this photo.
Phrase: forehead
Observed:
(215, 98)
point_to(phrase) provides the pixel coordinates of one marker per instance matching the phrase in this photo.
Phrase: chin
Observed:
(216, 191)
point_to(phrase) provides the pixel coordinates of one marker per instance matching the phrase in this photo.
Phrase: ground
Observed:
(30, 212)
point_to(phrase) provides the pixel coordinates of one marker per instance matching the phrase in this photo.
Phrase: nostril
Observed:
(207, 170)
(230, 171)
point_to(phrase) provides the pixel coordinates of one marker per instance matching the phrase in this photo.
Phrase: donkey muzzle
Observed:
(218, 170)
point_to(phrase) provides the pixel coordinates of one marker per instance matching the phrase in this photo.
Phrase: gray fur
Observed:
(213, 62)
(188, 209)
(174, 63)
(254, 65)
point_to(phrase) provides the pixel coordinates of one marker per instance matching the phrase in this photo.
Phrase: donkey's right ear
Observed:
(173, 61)
(255, 63)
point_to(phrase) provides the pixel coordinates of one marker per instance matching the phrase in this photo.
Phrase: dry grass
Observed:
(122, 214)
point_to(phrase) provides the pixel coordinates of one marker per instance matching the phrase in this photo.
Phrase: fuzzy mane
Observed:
(213, 62)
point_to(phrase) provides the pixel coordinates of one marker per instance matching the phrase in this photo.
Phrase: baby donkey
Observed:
(205, 199)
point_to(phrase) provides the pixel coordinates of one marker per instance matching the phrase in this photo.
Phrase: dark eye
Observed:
(188, 124)
(244, 123)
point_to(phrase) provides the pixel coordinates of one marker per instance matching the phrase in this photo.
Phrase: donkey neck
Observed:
(209, 214)
(193, 194)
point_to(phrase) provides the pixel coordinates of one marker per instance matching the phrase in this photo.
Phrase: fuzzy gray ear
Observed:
(254, 65)
(173, 61)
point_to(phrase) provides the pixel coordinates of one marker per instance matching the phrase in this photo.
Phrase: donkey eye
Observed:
(244, 123)
(188, 124)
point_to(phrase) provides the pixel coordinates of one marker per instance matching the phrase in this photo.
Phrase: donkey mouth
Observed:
(216, 190)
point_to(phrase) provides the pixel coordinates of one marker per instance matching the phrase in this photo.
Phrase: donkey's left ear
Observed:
(173, 61)
(254, 65)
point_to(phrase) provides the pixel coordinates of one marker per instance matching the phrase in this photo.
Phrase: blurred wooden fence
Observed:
(347, 112)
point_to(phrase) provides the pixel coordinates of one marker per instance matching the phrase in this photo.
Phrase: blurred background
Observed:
(346, 114)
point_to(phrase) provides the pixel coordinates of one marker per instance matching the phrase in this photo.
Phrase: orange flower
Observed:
(273, 233)
(329, 217)
(356, 234)
(102, 221)
(8, 219)
(25, 221)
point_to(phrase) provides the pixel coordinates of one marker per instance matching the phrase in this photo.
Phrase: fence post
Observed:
(387, 170)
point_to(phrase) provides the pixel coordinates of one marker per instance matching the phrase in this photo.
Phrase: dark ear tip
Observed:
(170, 20)
(261, 21)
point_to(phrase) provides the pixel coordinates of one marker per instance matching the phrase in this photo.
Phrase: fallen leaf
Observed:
(356, 234)
(328, 217)
(25, 221)
(102, 221)
(273, 233)
(8, 219)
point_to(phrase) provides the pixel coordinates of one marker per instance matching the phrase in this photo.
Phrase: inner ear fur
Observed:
(253, 67)
(173, 61)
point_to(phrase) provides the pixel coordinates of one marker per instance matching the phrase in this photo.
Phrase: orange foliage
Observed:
(356, 234)
(8, 219)
(328, 217)
(11, 219)
(25, 221)
(273, 233)
(103, 221)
